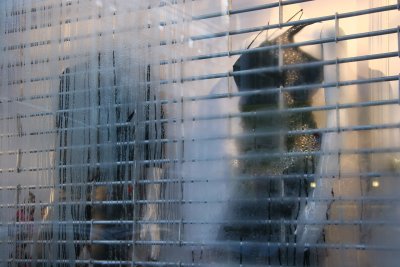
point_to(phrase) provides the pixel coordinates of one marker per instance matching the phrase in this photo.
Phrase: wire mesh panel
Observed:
(199, 133)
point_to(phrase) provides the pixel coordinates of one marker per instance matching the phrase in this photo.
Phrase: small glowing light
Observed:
(375, 183)
(313, 184)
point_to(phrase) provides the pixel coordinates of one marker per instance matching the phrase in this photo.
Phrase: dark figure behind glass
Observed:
(267, 200)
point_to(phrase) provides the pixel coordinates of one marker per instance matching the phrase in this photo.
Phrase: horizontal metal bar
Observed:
(183, 264)
(264, 200)
(292, 23)
(193, 264)
(340, 246)
(129, 223)
(69, 111)
(267, 91)
(278, 68)
(291, 110)
(279, 111)
(257, 156)
(284, 46)
(336, 199)
(132, 144)
(70, 261)
(114, 262)
(277, 221)
(174, 180)
(269, 69)
(246, 10)
(228, 243)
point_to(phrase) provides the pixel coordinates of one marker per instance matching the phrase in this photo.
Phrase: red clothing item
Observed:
(21, 216)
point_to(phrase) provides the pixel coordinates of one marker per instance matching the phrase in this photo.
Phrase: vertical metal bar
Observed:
(181, 71)
(19, 155)
(398, 39)
(229, 49)
(337, 93)
(336, 27)
(135, 176)
(180, 231)
(230, 7)
(398, 86)
(19, 160)
(16, 229)
(280, 14)
(19, 125)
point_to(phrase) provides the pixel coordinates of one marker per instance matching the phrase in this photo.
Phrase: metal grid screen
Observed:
(199, 133)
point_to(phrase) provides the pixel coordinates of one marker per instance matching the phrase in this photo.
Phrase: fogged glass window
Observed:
(199, 133)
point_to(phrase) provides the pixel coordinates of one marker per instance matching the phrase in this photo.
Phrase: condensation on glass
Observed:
(199, 133)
